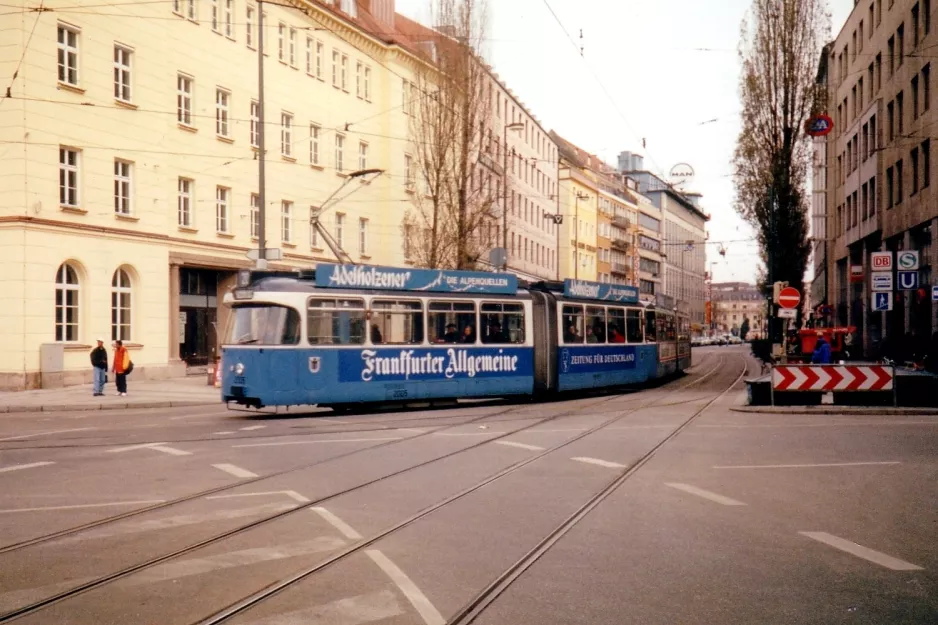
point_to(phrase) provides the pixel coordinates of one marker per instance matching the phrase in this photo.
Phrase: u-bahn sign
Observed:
(819, 125)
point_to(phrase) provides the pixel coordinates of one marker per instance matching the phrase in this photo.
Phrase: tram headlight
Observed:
(239, 369)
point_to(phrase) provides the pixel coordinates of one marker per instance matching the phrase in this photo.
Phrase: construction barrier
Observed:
(833, 378)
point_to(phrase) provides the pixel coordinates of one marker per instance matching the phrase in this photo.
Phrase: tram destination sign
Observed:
(402, 279)
(600, 290)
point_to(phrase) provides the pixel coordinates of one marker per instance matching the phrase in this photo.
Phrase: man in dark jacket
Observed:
(99, 367)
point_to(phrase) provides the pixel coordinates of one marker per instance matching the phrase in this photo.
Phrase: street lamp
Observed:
(576, 247)
(505, 129)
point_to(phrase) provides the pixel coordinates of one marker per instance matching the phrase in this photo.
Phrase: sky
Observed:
(662, 72)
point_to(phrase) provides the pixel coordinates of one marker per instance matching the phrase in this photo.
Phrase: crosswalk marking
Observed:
(370, 608)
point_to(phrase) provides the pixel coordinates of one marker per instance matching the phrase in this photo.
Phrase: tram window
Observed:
(502, 323)
(651, 328)
(452, 322)
(595, 324)
(397, 322)
(671, 328)
(633, 328)
(335, 321)
(615, 322)
(572, 318)
(263, 325)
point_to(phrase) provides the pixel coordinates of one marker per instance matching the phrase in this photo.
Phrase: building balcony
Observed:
(620, 269)
(620, 244)
(622, 222)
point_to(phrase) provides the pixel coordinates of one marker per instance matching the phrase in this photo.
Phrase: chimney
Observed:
(381, 10)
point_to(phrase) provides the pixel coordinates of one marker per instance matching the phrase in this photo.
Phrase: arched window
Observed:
(120, 306)
(66, 303)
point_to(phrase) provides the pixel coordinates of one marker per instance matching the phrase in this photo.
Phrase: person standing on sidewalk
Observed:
(99, 367)
(121, 363)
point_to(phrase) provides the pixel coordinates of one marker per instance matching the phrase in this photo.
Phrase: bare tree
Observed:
(779, 49)
(452, 221)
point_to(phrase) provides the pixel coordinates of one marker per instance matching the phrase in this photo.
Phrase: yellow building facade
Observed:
(128, 152)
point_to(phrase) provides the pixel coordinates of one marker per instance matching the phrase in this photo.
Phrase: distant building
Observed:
(734, 302)
(682, 231)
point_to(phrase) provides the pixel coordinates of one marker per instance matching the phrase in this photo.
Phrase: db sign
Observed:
(881, 261)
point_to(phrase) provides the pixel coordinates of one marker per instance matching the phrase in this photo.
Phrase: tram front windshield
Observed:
(263, 325)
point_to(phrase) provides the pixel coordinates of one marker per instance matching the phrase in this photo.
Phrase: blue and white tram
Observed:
(347, 334)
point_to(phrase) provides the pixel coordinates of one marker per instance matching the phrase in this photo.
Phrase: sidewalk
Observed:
(189, 391)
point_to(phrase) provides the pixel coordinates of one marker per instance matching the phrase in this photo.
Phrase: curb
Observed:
(108, 406)
(837, 410)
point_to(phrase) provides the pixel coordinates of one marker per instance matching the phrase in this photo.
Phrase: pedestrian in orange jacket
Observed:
(121, 366)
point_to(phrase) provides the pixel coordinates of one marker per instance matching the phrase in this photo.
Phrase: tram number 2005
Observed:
(397, 393)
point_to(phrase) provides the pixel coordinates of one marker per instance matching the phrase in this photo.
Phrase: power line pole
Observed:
(261, 154)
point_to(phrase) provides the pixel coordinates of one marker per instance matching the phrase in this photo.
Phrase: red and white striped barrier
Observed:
(832, 378)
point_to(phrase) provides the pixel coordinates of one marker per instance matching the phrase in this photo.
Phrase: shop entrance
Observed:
(198, 315)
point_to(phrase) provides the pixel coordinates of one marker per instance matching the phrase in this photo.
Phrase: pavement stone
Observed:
(172, 393)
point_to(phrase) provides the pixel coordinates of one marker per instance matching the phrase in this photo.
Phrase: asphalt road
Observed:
(653, 506)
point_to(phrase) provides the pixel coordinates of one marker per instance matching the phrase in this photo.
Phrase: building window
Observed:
(891, 53)
(900, 112)
(177, 7)
(362, 155)
(926, 163)
(184, 203)
(890, 187)
(255, 216)
(340, 229)
(184, 100)
(313, 144)
(926, 15)
(292, 48)
(66, 303)
(221, 112)
(358, 79)
(286, 221)
(872, 196)
(309, 56)
(255, 124)
(335, 69)
(313, 230)
(68, 55)
(221, 208)
(320, 50)
(926, 87)
(339, 152)
(899, 181)
(913, 161)
(914, 97)
(915, 26)
(363, 236)
(900, 43)
(122, 65)
(409, 172)
(367, 84)
(190, 9)
(229, 9)
(215, 16)
(68, 177)
(249, 26)
(286, 134)
(123, 178)
(345, 73)
(120, 306)
(282, 42)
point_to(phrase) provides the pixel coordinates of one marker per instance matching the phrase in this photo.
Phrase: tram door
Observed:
(544, 322)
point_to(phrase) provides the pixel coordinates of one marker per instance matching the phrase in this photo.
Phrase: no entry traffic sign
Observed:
(789, 297)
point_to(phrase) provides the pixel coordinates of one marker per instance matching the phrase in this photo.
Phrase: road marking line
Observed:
(252, 427)
(337, 523)
(806, 466)
(598, 462)
(235, 471)
(431, 616)
(198, 566)
(552, 431)
(706, 494)
(331, 440)
(414, 430)
(289, 493)
(467, 433)
(519, 445)
(16, 438)
(894, 564)
(222, 432)
(17, 467)
(86, 505)
(357, 610)
(154, 446)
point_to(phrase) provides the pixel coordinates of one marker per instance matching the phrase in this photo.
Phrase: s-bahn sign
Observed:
(832, 378)
(819, 125)
(400, 279)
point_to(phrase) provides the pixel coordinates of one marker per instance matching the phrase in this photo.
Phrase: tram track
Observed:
(489, 593)
(129, 570)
